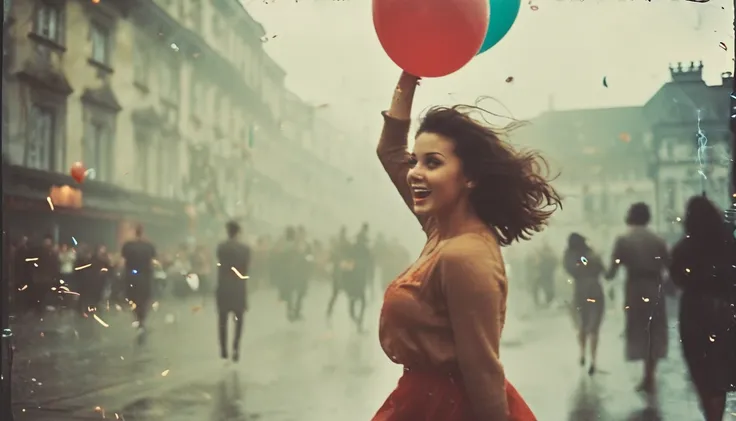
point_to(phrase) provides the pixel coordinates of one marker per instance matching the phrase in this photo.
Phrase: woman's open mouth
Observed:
(420, 193)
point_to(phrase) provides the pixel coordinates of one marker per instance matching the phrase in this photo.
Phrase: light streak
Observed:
(100, 321)
(241, 276)
(702, 150)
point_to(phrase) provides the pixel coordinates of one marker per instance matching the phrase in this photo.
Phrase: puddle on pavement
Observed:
(221, 401)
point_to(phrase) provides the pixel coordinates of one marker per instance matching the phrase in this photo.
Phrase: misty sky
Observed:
(565, 48)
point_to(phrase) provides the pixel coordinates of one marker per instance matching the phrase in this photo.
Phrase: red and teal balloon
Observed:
(431, 38)
(503, 16)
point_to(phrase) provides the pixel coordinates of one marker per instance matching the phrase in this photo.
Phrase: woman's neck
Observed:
(460, 220)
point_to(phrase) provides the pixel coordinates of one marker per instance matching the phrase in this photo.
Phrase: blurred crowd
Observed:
(46, 275)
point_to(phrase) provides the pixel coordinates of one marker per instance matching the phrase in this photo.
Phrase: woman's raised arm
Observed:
(392, 146)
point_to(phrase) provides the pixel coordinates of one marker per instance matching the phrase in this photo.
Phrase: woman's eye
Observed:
(433, 163)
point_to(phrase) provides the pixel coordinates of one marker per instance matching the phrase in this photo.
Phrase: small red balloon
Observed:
(431, 38)
(78, 172)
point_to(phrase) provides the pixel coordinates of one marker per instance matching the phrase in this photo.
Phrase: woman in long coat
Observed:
(645, 257)
(704, 267)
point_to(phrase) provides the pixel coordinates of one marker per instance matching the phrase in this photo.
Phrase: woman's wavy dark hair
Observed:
(703, 220)
(513, 194)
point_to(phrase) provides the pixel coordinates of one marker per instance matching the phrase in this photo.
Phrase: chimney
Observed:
(727, 79)
(692, 74)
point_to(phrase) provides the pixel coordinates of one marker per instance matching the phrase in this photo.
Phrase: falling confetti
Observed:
(100, 321)
(90, 173)
(723, 46)
(534, 7)
(165, 373)
(83, 267)
(605, 81)
(509, 79)
(51, 204)
(625, 137)
(74, 240)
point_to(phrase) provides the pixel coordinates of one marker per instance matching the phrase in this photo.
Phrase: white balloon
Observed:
(193, 281)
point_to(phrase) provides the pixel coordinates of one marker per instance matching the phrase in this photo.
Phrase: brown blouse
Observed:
(448, 309)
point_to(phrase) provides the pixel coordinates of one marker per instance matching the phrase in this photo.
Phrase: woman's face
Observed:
(436, 177)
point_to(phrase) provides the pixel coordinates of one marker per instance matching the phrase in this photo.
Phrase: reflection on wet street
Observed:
(79, 370)
(225, 398)
(588, 405)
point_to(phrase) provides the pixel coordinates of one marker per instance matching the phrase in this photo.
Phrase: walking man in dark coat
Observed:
(139, 254)
(232, 292)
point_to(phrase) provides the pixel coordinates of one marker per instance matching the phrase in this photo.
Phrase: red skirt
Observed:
(435, 396)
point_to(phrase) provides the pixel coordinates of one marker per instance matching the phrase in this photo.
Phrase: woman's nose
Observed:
(415, 173)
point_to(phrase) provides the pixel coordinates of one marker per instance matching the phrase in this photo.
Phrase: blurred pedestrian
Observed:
(585, 267)
(138, 255)
(342, 265)
(645, 257)
(232, 292)
(704, 267)
(358, 280)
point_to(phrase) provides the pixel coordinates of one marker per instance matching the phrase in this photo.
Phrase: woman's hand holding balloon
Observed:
(403, 97)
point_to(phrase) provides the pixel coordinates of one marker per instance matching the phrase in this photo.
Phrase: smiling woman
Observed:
(472, 193)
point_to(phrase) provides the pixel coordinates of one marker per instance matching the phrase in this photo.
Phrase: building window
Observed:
(142, 160)
(174, 178)
(40, 146)
(197, 99)
(216, 26)
(588, 203)
(605, 203)
(196, 14)
(670, 191)
(48, 22)
(97, 151)
(164, 169)
(216, 107)
(141, 63)
(169, 81)
(100, 44)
